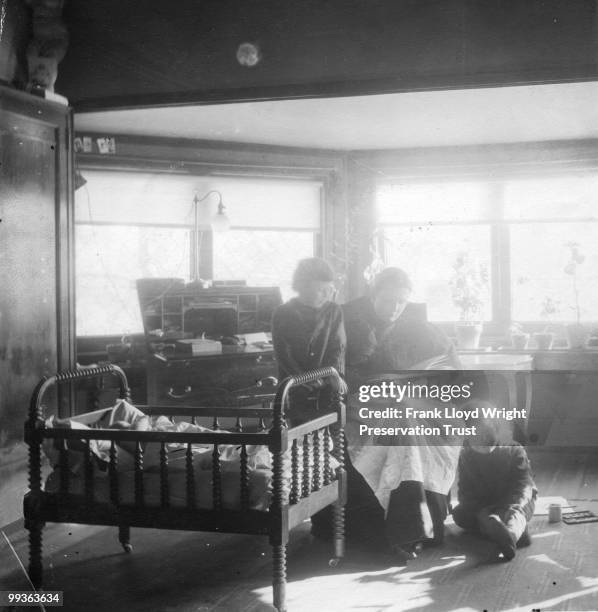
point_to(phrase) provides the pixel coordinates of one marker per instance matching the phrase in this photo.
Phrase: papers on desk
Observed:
(259, 339)
(200, 346)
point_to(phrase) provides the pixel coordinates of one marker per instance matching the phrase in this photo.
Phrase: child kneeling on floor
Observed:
(496, 491)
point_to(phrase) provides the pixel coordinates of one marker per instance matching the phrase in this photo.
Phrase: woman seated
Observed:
(400, 489)
(308, 333)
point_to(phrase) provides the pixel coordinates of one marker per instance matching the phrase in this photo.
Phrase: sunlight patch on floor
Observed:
(545, 534)
(543, 605)
(543, 558)
(364, 591)
(377, 590)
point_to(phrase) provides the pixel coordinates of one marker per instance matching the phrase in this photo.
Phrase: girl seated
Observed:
(308, 333)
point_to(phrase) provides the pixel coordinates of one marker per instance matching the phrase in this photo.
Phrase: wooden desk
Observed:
(208, 379)
(564, 382)
(510, 371)
(574, 360)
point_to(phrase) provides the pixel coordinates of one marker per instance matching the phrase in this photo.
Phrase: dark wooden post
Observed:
(32, 503)
(338, 509)
(279, 527)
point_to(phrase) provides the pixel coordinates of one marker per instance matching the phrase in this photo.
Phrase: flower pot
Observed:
(520, 340)
(468, 335)
(577, 335)
(544, 340)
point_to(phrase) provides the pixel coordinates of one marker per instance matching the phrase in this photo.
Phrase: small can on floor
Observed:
(554, 513)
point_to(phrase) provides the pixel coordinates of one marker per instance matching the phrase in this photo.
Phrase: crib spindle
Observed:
(216, 479)
(190, 477)
(113, 474)
(164, 492)
(306, 480)
(244, 478)
(88, 473)
(138, 474)
(193, 420)
(262, 424)
(316, 481)
(279, 576)
(327, 475)
(65, 470)
(294, 493)
(239, 425)
(35, 554)
(338, 509)
(215, 424)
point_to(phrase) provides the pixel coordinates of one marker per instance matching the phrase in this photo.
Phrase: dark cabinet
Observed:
(36, 305)
(174, 312)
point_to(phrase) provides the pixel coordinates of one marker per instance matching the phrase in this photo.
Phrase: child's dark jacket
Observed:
(500, 478)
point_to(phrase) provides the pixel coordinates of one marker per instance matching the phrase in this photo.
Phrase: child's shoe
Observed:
(407, 552)
(525, 539)
(498, 532)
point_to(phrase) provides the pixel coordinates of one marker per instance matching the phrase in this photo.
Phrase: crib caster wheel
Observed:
(334, 562)
(128, 548)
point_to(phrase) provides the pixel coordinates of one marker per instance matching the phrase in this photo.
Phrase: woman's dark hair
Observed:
(312, 269)
(391, 278)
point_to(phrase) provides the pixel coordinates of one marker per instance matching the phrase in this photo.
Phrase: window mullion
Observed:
(501, 268)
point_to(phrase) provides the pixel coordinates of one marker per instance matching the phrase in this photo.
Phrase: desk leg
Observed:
(510, 380)
(525, 378)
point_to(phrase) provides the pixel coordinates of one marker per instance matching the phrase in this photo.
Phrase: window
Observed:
(425, 227)
(261, 257)
(546, 216)
(133, 225)
(520, 230)
(274, 225)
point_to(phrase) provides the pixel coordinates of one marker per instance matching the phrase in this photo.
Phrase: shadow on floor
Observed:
(204, 572)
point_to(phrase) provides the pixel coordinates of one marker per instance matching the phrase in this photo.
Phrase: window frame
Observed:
(500, 237)
(214, 159)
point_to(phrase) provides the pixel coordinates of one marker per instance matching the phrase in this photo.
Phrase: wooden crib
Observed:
(311, 486)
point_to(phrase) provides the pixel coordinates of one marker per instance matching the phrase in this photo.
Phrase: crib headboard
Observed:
(68, 376)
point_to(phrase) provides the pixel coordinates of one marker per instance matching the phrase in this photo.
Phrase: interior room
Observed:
(163, 172)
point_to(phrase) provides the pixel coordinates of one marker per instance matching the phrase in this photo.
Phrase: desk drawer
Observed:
(205, 381)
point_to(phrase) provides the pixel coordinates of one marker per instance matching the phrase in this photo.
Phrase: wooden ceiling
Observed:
(126, 54)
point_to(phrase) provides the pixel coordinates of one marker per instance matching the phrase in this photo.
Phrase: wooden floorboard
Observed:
(206, 572)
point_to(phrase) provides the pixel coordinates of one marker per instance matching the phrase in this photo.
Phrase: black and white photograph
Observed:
(299, 305)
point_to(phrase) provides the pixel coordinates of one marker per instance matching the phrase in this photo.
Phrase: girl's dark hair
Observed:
(391, 278)
(312, 269)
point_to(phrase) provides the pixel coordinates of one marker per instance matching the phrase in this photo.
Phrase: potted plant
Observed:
(577, 335)
(469, 290)
(593, 339)
(519, 338)
(545, 339)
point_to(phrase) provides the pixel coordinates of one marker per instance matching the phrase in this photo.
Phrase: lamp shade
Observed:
(220, 221)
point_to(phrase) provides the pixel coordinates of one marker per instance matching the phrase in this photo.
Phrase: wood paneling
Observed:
(35, 272)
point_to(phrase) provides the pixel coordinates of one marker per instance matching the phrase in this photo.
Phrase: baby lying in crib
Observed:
(125, 416)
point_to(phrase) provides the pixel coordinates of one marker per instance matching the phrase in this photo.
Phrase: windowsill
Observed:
(559, 358)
